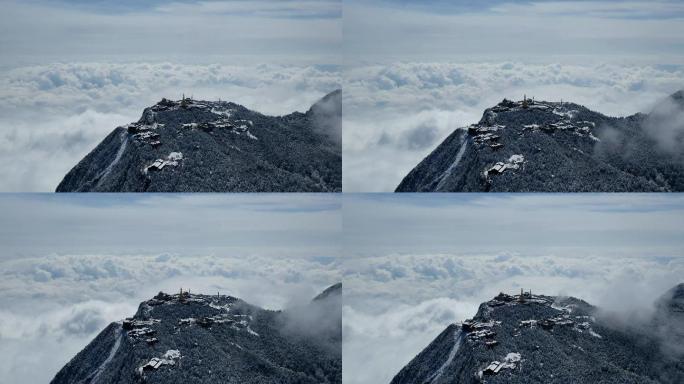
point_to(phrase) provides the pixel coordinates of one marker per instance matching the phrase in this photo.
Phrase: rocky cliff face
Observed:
(542, 339)
(538, 146)
(189, 338)
(203, 146)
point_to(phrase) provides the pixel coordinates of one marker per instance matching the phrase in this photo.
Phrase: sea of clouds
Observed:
(52, 115)
(396, 113)
(51, 307)
(395, 305)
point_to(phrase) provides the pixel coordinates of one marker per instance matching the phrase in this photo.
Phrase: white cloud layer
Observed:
(396, 304)
(52, 115)
(396, 114)
(51, 307)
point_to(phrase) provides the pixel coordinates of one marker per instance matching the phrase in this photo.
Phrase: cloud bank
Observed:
(666, 125)
(52, 115)
(395, 114)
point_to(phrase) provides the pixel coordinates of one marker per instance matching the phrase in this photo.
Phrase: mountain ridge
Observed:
(190, 338)
(216, 146)
(540, 146)
(530, 338)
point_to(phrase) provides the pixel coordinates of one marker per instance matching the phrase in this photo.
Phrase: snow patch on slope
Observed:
(513, 163)
(457, 343)
(172, 159)
(459, 156)
(119, 153)
(109, 358)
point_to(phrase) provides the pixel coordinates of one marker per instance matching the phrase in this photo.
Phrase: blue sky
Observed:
(618, 8)
(592, 224)
(286, 8)
(287, 225)
(105, 5)
(313, 28)
(508, 30)
(189, 31)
